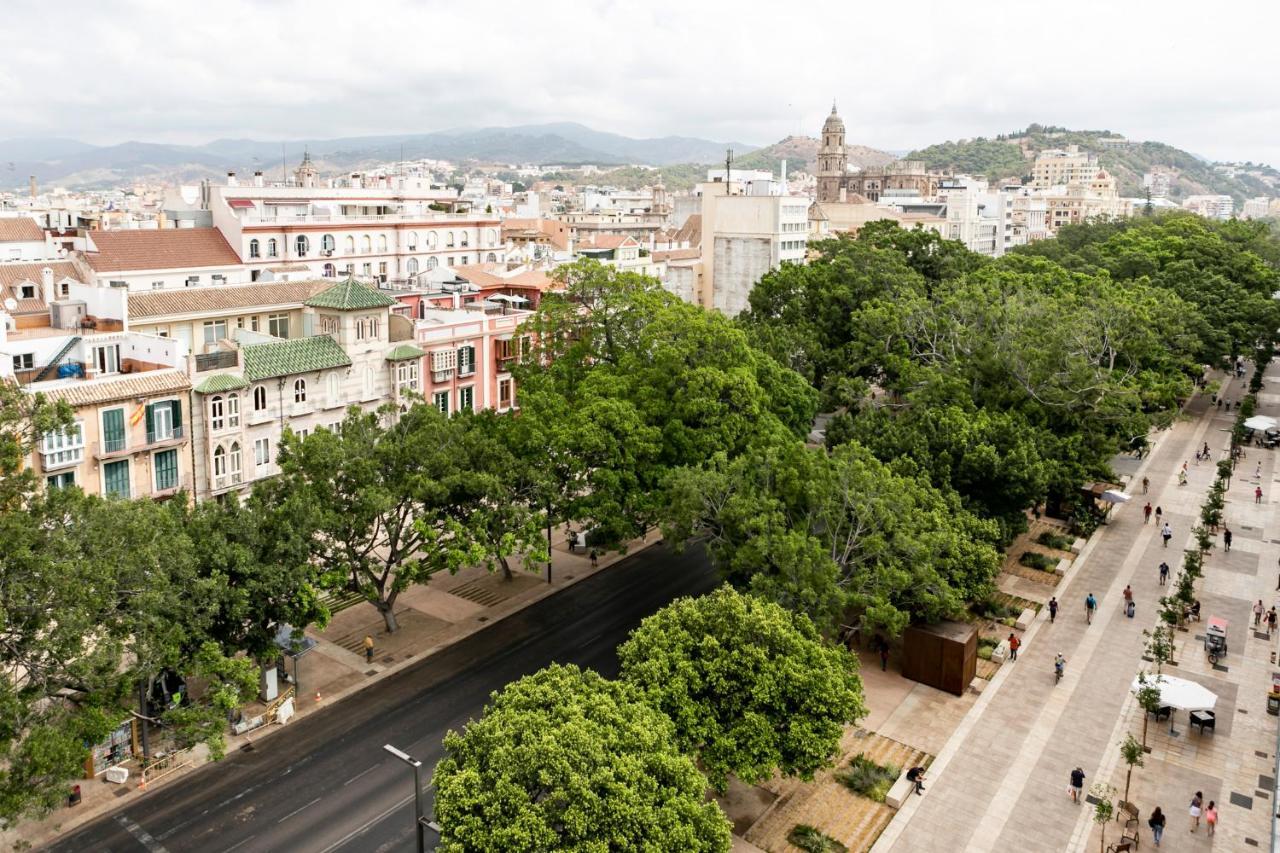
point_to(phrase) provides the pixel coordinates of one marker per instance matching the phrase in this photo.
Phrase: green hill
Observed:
(1010, 156)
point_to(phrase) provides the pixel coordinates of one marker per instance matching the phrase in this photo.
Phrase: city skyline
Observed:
(273, 71)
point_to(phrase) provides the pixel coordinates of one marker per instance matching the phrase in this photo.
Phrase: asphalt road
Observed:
(326, 785)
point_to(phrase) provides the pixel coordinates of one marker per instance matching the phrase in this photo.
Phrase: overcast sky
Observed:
(1202, 76)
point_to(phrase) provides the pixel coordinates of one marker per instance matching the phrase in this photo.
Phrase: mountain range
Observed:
(66, 162)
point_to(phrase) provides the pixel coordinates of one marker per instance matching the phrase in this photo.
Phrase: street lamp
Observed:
(417, 793)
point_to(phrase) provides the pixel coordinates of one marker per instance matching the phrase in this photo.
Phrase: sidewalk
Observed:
(431, 618)
(1000, 782)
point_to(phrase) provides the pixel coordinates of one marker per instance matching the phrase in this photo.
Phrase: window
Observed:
(327, 243)
(219, 466)
(431, 239)
(260, 399)
(443, 363)
(448, 261)
(366, 269)
(382, 269)
(115, 479)
(448, 239)
(351, 269)
(164, 466)
(504, 351)
(504, 393)
(28, 291)
(360, 329)
(466, 360)
(467, 398)
(253, 322)
(493, 238)
(164, 420)
(300, 391)
(193, 281)
(411, 241)
(63, 446)
(107, 359)
(373, 327)
(113, 431)
(278, 325)
(492, 258)
(65, 480)
(441, 401)
(465, 240)
(366, 244)
(382, 242)
(407, 375)
(262, 452)
(217, 413)
(432, 263)
(302, 434)
(330, 271)
(272, 248)
(214, 331)
(368, 384)
(349, 245)
(255, 249)
(233, 410)
(333, 393)
(411, 266)
(233, 462)
(25, 361)
(301, 245)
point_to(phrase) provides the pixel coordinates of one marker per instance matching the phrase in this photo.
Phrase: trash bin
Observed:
(73, 798)
(1273, 704)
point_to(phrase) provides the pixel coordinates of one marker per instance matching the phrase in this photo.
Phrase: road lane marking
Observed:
(144, 837)
(239, 844)
(300, 808)
(361, 773)
(365, 826)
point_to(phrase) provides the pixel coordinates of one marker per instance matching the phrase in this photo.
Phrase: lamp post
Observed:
(417, 793)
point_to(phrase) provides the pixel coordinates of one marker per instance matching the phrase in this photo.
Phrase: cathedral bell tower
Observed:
(832, 160)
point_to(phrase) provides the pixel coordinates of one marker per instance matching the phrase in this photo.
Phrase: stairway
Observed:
(52, 366)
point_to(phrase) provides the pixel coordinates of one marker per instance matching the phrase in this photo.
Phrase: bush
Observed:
(811, 840)
(1036, 560)
(1057, 541)
(866, 777)
(988, 608)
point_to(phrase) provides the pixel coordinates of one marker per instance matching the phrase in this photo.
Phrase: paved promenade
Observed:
(1000, 782)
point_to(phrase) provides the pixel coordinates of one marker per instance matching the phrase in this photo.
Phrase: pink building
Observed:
(469, 355)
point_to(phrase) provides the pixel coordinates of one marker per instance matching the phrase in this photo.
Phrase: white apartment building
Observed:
(162, 259)
(1257, 208)
(379, 228)
(1210, 206)
(744, 237)
(22, 239)
(1058, 167)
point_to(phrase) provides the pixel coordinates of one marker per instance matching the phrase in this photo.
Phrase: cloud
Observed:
(904, 75)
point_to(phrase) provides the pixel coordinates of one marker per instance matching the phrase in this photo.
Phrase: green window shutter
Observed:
(151, 420)
(166, 469)
(116, 477)
(113, 436)
(177, 414)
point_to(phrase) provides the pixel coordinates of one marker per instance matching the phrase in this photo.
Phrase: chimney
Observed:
(46, 285)
(231, 179)
(33, 187)
(257, 178)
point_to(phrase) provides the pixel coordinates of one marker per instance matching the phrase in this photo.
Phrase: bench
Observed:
(1063, 565)
(1001, 652)
(1025, 619)
(898, 794)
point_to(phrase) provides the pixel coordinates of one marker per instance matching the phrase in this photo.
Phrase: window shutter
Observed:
(151, 419)
(177, 413)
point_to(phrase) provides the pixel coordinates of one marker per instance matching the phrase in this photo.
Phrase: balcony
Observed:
(166, 438)
(168, 490)
(66, 458)
(338, 219)
(227, 481)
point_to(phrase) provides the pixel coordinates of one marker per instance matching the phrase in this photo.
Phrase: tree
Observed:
(1148, 696)
(378, 498)
(1160, 644)
(1131, 751)
(750, 687)
(1103, 808)
(565, 760)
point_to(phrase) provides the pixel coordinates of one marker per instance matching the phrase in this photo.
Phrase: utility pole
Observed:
(728, 169)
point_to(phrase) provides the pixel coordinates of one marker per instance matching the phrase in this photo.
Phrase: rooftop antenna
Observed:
(728, 169)
(284, 167)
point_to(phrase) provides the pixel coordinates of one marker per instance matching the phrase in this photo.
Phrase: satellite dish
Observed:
(11, 304)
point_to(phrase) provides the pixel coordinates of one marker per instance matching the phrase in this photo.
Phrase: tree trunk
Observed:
(1127, 776)
(387, 609)
(506, 569)
(1146, 716)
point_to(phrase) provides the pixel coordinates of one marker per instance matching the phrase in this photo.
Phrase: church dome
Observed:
(833, 124)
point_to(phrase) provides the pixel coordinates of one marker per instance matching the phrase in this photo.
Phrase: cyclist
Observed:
(1059, 664)
(1090, 605)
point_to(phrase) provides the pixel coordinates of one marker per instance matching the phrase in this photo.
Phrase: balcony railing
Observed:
(323, 218)
(167, 489)
(173, 435)
(227, 481)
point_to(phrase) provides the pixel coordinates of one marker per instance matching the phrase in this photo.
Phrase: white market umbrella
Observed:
(1261, 422)
(1115, 496)
(1179, 694)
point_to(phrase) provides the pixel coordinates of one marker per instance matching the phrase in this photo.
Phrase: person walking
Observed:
(882, 648)
(1271, 622)
(1053, 609)
(1145, 484)
(1211, 817)
(1257, 495)
(1146, 513)
(368, 648)
(595, 558)
(1156, 822)
(1226, 538)
(1182, 478)
(1128, 595)
(1159, 513)
(1258, 610)
(1257, 472)
(1077, 784)
(1196, 802)
(1014, 642)
(573, 540)
(1166, 533)
(1090, 605)
(1164, 573)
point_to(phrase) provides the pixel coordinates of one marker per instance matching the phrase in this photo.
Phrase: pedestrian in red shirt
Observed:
(1014, 642)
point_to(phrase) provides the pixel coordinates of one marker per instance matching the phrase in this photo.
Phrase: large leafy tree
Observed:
(566, 760)
(379, 497)
(751, 687)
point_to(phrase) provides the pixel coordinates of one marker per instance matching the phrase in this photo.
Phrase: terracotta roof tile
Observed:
(166, 248)
(153, 383)
(12, 275)
(148, 304)
(677, 255)
(20, 229)
(691, 231)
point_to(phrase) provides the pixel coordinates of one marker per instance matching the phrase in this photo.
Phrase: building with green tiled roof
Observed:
(299, 355)
(350, 295)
